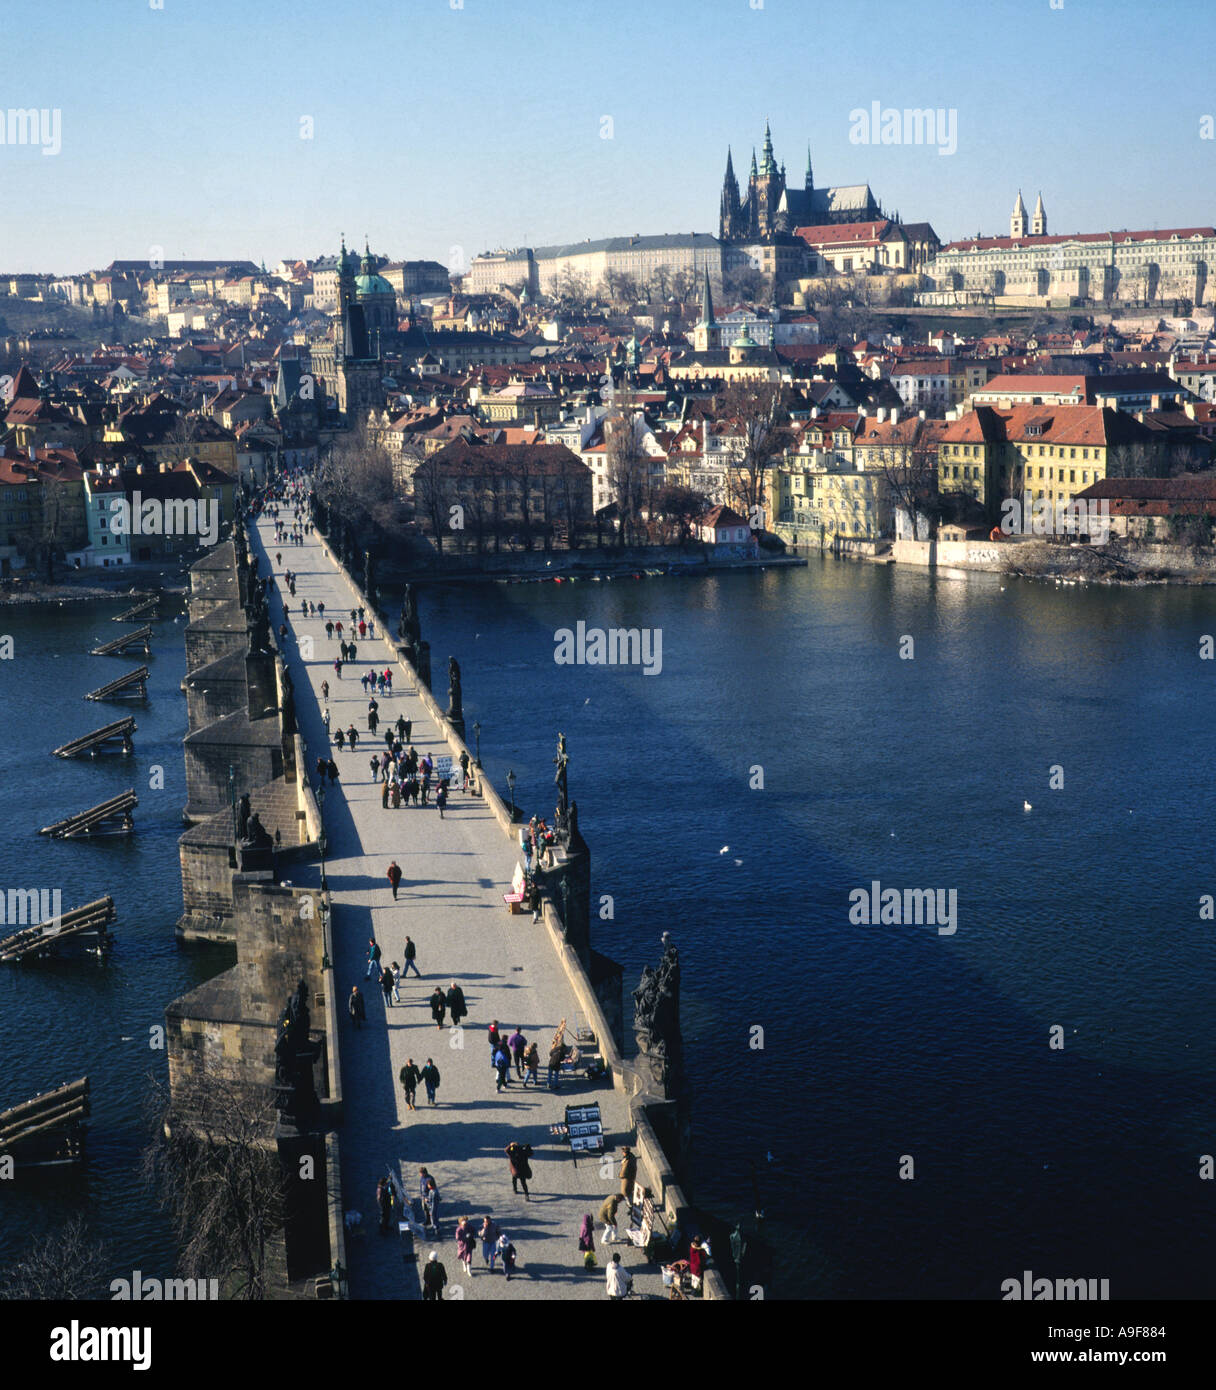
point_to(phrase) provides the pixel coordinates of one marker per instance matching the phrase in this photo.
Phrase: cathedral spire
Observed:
(754, 171)
(707, 302)
(810, 177)
(768, 165)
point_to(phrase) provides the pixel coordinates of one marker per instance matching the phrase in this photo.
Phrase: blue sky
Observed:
(481, 126)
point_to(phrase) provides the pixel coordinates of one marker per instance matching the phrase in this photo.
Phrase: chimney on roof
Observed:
(921, 414)
(895, 415)
(880, 415)
(33, 454)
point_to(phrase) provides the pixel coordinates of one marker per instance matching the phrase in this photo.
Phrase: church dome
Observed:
(372, 284)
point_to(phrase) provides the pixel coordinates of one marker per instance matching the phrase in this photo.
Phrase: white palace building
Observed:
(1031, 267)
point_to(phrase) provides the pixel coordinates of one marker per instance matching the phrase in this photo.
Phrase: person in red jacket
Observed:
(394, 877)
(696, 1261)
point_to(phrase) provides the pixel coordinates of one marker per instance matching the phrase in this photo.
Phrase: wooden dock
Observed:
(48, 1129)
(111, 817)
(86, 927)
(132, 686)
(96, 742)
(141, 637)
(141, 609)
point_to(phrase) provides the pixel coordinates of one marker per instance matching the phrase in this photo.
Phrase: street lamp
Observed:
(477, 754)
(321, 843)
(511, 784)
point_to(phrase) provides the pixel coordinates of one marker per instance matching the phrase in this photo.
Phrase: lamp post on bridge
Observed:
(477, 753)
(511, 784)
(321, 844)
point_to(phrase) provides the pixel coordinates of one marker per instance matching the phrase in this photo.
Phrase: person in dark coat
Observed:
(333, 772)
(521, 1170)
(384, 1200)
(394, 877)
(372, 720)
(410, 1076)
(457, 1008)
(518, 1045)
(411, 959)
(434, 1278)
(356, 1007)
(386, 984)
(430, 1079)
(439, 1006)
(628, 1173)
(352, 737)
(340, 737)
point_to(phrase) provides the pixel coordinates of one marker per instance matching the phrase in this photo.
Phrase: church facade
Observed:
(770, 208)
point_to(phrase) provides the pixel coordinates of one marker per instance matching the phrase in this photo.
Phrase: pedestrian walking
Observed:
(332, 768)
(321, 609)
(340, 739)
(628, 1173)
(434, 1279)
(532, 1064)
(402, 726)
(325, 718)
(493, 1036)
(466, 1243)
(396, 969)
(488, 1235)
(373, 717)
(464, 770)
(411, 952)
(356, 1007)
(441, 798)
(329, 631)
(457, 1008)
(363, 683)
(386, 986)
(518, 1044)
(338, 628)
(429, 1192)
(608, 1217)
(618, 1279)
(438, 1006)
(338, 667)
(430, 1079)
(521, 1169)
(362, 628)
(394, 877)
(395, 795)
(373, 957)
(409, 1076)
(586, 1242)
(374, 764)
(352, 737)
(507, 1251)
(502, 1064)
(384, 794)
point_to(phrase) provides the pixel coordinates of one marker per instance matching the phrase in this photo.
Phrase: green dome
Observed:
(744, 340)
(372, 284)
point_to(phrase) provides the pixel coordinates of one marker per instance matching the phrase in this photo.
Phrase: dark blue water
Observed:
(61, 1022)
(882, 1042)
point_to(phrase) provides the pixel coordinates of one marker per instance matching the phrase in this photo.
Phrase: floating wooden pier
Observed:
(86, 927)
(49, 1129)
(141, 637)
(97, 742)
(111, 817)
(132, 686)
(141, 609)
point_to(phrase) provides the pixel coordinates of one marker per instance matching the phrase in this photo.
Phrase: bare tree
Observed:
(355, 478)
(627, 466)
(215, 1169)
(760, 412)
(910, 473)
(66, 1266)
(680, 508)
(434, 497)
